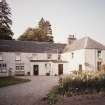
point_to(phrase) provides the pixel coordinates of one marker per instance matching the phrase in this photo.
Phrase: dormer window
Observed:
(49, 56)
(18, 57)
(99, 54)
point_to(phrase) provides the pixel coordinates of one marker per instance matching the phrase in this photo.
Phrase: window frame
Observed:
(59, 57)
(99, 52)
(49, 55)
(3, 68)
(19, 67)
(18, 55)
(72, 55)
(1, 57)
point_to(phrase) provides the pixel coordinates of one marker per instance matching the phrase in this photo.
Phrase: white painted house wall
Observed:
(74, 62)
(103, 57)
(10, 59)
(87, 57)
(91, 59)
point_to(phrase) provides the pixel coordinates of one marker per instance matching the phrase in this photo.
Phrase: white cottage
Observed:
(84, 54)
(30, 58)
(44, 58)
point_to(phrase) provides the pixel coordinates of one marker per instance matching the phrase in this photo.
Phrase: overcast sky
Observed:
(79, 17)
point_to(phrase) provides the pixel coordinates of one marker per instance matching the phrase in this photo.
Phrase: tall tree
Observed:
(5, 21)
(42, 34)
(45, 26)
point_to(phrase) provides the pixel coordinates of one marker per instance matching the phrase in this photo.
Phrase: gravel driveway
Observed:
(27, 93)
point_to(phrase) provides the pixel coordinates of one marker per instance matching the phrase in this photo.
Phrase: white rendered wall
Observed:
(73, 63)
(90, 59)
(10, 59)
(103, 57)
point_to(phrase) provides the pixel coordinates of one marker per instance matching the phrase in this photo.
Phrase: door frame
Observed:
(36, 70)
(60, 69)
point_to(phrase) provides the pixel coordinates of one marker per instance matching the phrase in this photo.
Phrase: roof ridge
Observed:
(36, 42)
(85, 43)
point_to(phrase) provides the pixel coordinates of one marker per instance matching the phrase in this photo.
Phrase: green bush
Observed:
(76, 84)
(86, 82)
(53, 96)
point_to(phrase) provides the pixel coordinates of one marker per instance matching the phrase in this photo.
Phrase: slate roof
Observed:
(30, 46)
(84, 43)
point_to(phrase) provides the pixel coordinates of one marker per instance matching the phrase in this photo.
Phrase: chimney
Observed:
(71, 39)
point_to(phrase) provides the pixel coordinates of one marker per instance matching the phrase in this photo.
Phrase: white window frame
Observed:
(18, 57)
(19, 67)
(1, 57)
(3, 67)
(99, 52)
(72, 55)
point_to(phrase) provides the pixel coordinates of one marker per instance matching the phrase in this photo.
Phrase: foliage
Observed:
(5, 21)
(53, 96)
(103, 67)
(6, 81)
(76, 84)
(42, 34)
(85, 82)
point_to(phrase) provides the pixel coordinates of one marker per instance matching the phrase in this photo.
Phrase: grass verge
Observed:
(7, 81)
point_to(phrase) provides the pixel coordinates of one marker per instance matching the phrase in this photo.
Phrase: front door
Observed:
(60, 69)
(80, 68)
(35, 70)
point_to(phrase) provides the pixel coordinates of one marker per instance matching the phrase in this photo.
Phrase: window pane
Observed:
(72, 55)
(18, 57)
(19, 67)
(99, 54)
(1, 58)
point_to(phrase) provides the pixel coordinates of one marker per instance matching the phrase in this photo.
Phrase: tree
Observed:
(5, 21)
(45, 26)
(27, 35)
(42, 34)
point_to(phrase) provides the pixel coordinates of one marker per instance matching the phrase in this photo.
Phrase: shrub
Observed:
(47, 74)
(103, 67)
(53, 96)
(78, 83)
(85, 82)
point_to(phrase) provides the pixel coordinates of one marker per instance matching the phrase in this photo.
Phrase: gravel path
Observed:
(27, 93)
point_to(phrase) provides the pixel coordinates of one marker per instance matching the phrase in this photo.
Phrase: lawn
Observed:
(6, 81)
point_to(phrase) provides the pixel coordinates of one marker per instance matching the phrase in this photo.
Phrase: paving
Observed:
(27, 93)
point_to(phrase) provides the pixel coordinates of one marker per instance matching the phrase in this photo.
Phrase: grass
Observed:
(7, 81)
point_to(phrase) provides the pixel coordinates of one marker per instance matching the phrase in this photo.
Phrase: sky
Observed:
(79, 17)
